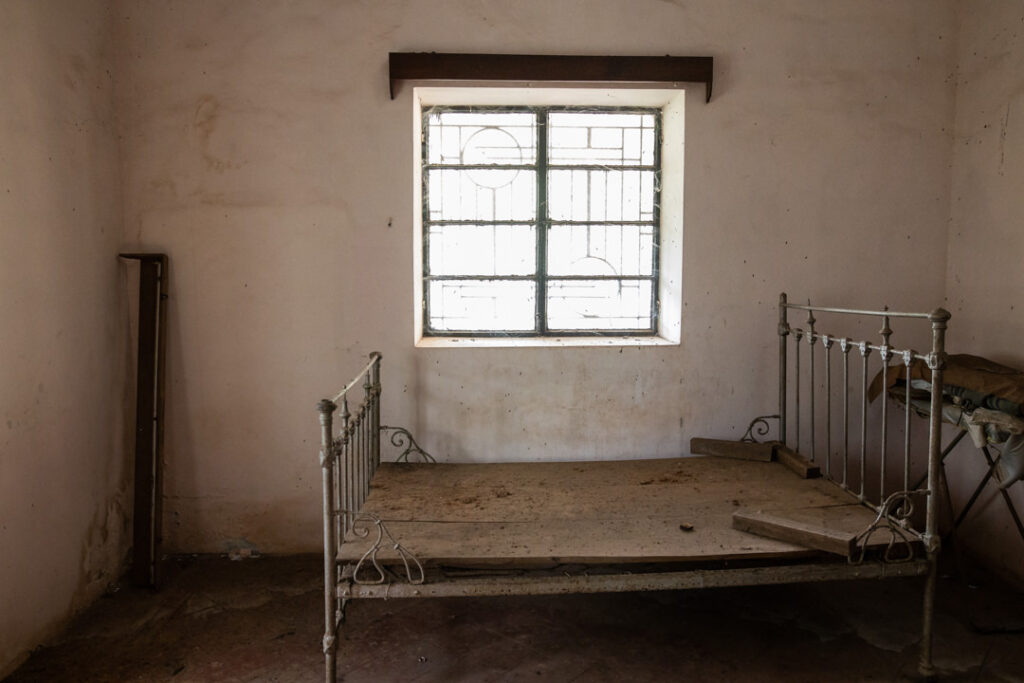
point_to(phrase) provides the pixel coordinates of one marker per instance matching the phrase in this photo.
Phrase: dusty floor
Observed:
(261, 620)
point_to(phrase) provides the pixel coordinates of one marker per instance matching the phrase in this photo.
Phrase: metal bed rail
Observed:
(893, 504)
(348, 462)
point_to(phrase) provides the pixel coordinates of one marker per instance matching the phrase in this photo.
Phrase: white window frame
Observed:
(669, 295)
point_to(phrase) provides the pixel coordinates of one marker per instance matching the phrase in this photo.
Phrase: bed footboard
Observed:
(348, 461)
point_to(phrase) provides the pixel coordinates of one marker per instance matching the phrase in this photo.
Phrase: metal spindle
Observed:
(339, 493)
(908, 358)
(364, 474)
(811, 338)
(353, 454)
(845, 346)
(884, 354)
(783, 333)
(798, 334)
(367, 422)
(353, 504)
(357, 466)
(364, 461)
(375, 423)
(826, 341)
(346, 496)
(865, 351)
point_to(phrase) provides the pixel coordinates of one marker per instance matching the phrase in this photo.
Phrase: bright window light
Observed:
(540, 221)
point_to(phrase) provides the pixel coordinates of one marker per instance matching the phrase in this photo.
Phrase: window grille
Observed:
(540, 221)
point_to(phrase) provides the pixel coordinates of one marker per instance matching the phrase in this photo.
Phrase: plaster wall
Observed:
(263, 154)
(62, 471)
(986, 242)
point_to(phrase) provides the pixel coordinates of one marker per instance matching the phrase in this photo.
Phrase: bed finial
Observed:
(886, 331)
(326, 405)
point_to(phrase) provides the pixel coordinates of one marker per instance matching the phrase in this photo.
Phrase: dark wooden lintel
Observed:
(435, 66)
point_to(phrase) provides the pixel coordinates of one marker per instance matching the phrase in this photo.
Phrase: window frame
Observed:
(542, 223)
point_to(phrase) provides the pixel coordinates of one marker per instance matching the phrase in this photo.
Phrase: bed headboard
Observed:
(811, 424)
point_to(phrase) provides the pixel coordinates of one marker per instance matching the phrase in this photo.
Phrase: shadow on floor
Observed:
(262, 620)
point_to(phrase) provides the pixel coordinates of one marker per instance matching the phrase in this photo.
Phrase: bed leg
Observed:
(327, 455)
(925, 666)
(331, 670)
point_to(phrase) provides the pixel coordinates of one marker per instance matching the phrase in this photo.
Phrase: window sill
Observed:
(525, 342)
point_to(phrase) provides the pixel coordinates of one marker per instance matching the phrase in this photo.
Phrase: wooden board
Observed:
(833, 529)
(761, 452)
(538, 514)
(556, 542)
(796, 462)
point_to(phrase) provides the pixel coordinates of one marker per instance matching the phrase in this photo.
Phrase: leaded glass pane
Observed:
(482, 250)
(618, 139)
(599, 304)
(606, 250)
(605, 195)
(481, 305)
(482, 195)
(482, 137)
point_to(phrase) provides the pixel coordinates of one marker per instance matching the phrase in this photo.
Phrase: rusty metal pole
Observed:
(147, 522)
(936, 363)
(327, 454)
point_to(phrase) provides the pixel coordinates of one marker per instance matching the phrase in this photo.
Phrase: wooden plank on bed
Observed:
(833, 529)
(743, 450)
(800, 465)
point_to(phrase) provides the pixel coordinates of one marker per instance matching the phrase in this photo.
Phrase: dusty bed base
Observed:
(534, 582)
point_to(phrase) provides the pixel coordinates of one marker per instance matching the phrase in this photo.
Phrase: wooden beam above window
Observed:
(435, 66)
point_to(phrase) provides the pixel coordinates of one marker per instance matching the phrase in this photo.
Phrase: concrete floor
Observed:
(261, 620)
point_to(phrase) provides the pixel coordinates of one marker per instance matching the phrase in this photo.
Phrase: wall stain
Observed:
(204, 122)
(1002, 138)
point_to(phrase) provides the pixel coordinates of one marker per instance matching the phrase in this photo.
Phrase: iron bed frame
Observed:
(350, 455)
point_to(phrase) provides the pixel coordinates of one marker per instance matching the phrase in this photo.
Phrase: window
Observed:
(545, 220)
(540, 220)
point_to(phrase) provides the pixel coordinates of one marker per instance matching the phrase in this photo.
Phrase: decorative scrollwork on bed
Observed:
(892, 518)
(401, 438)
(759, 426)
(362, 528)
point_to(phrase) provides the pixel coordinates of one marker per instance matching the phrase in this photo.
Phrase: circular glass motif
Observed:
(492, 146)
